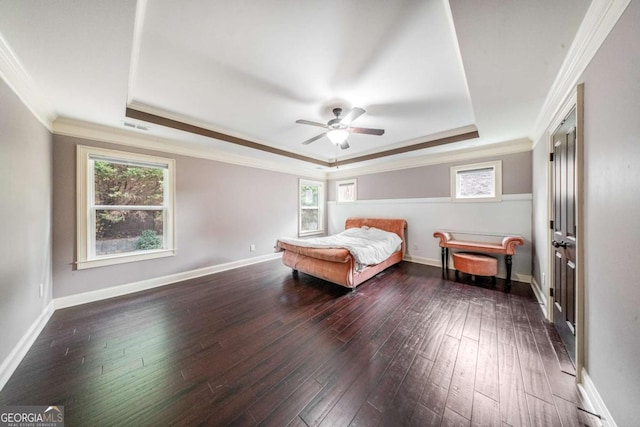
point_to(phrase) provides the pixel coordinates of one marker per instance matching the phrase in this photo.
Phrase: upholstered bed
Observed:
(338, 265)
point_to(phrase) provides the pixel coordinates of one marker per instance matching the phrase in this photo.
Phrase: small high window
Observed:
(479, 182)
(346, 191)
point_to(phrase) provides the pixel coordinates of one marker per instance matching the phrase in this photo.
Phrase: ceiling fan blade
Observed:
(352, 115)
(344, 145)
(315, 138)
(367, 131)
(308, 122)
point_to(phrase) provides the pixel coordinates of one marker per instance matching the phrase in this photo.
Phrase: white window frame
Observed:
(347, 182)
(457, 171)
(85, 205)
(321, 207)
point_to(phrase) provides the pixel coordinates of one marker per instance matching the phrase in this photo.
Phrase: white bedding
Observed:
(368, 245)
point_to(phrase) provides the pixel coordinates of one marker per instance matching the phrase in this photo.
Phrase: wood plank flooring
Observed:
(256, 346)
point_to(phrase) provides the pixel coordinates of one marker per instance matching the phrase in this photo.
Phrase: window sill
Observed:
(122, 259)
(476, 199)
(311, 233)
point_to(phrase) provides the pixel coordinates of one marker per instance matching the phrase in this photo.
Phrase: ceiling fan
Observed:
(338, 129)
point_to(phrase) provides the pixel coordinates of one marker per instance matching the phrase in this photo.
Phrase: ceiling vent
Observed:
(135, 126)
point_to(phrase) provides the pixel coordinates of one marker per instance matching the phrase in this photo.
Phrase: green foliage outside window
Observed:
(149, 240)
(124, 185)
(309, 195)
(310, 219)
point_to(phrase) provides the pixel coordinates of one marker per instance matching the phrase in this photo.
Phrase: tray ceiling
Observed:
(422, 70)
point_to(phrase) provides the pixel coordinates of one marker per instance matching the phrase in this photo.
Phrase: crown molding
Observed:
(151, 115)
(598, 22)
(501, 149)
(447, 137)
(80, 129)
(185, 126)
(21, 83)
(95, 132)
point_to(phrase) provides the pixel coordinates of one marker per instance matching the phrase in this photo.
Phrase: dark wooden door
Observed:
(564, 232)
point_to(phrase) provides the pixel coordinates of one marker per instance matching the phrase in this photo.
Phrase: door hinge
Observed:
(551, 157)
(551, 292)
(551, 224)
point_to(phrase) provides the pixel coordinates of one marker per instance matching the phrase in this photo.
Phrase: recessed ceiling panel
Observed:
(251, 69)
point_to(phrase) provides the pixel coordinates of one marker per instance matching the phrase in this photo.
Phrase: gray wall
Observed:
(221, 210)
(540, 216)
(611, 217)
(25, 219)
(420, 195)
(434, 181)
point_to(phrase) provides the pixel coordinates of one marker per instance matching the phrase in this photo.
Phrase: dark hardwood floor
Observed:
(254, 346)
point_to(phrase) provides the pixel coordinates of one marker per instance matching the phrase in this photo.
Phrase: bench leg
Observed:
(456, 275)
(507, 258)
(446, 261)
(443, 254)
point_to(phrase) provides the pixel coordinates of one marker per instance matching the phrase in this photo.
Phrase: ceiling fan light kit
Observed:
(338, 136)
(338, 129)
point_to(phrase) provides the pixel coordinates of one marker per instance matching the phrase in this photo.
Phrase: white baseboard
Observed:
(540, 296)
(519, 277)
(14, 358)
(116, 291)
(593, 400)
(421, 260)
(525, 278)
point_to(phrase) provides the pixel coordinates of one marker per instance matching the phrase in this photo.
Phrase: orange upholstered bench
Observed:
(475, 264)
(507, 247)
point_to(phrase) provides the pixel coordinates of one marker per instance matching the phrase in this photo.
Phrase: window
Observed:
(125, 207)
(311, 215)
(479, 182)
(346, 191)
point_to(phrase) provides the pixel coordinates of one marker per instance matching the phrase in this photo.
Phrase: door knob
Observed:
(560, 244)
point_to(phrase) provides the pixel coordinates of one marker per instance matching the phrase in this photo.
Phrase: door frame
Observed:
(574, 100)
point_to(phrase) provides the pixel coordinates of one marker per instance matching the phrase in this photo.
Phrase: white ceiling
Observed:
(252, 68)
